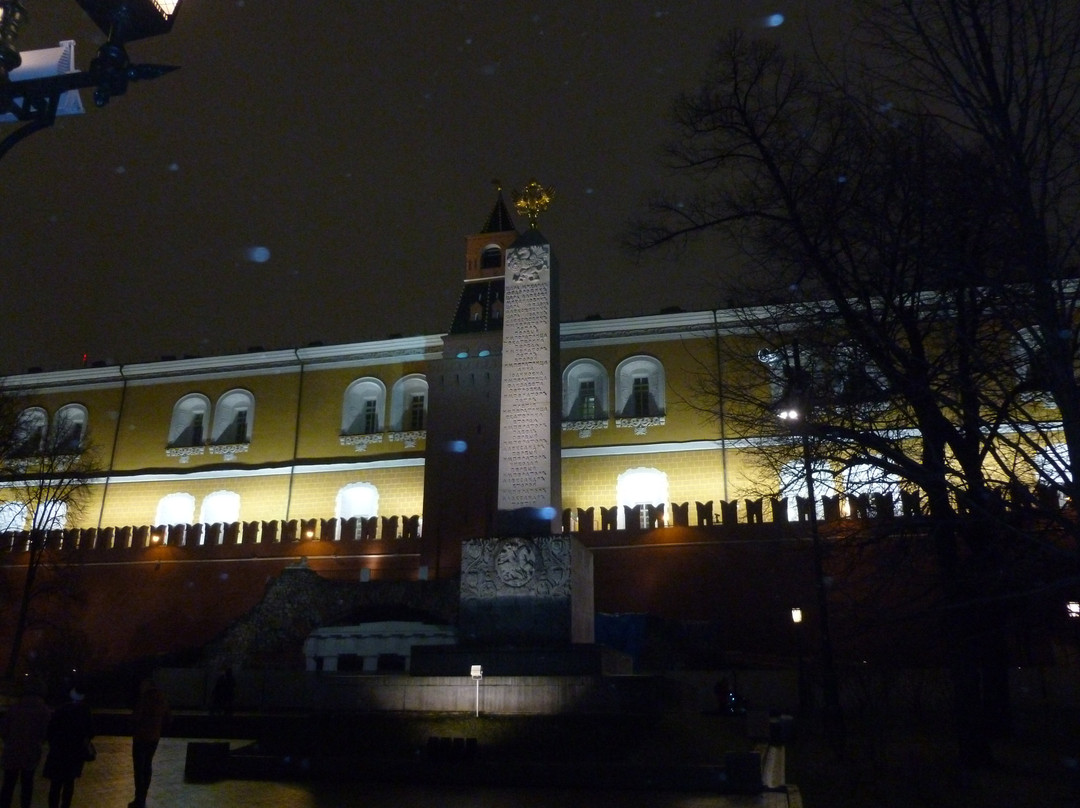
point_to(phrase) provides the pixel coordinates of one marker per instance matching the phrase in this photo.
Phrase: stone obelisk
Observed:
(529, 483)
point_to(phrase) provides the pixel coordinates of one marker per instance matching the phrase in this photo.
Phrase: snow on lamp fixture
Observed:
(128, 20)
(34, 97)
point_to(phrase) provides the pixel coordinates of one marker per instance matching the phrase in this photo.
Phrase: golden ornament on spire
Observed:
(533, 201)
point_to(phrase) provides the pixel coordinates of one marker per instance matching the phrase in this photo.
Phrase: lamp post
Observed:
(796, 622)
(34, 100)
(794, 409)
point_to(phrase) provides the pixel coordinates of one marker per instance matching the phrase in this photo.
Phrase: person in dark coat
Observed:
(70, 731)
(224, 693)
(150, 718)
(23, 729)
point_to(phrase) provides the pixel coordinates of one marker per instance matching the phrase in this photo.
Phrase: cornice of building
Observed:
(675, 325)
(401, 349)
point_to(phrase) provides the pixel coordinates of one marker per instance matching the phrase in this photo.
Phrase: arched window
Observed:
(189, 419)
(640, 387)
(1029, 352)
(70, 428)
(1053, 469)
(12, 516)
(856, 379)
(175, 509)
(640, 486)
(234, 415)
(408, 403)
(357, 499)
(362, 411)
(585, 391)
(793, 484)
(784, 387)
(491, 257)
(51, 515)
(30, 429)
(220, 506)
(864, 478)
(1052, 464)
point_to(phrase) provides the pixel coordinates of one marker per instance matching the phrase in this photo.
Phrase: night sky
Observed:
(311, 172)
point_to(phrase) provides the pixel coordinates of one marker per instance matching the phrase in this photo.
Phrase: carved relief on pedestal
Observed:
(492, 568)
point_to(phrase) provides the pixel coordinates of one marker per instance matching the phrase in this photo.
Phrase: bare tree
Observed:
(891, 244)
(44, 474)
(1003, 78)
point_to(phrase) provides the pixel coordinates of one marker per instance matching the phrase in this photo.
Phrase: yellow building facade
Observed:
(337, 431)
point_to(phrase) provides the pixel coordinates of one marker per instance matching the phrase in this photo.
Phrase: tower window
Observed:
(491, 258)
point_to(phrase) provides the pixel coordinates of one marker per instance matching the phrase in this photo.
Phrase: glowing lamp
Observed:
(50, 84)
(129, 20)
(1072, 608)
(796, 614)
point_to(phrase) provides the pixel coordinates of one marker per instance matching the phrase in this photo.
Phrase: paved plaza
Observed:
(107, 783)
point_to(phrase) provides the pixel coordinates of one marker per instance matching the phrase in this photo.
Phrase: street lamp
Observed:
(35, 100)
(796, 622)
(794, 409)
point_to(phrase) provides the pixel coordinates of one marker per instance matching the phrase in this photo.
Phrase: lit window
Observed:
(357, 499)
(175, 509)
(12, 516)
(793, 485)
(50, 515)
(70, 428)
(361, 412)
(640, 383)
(417, 408)
(408, 407)
(1053, 469)
(370, 417)
(587, 400)
(187, 426)
(1033, 369)
(640, 401)
(640, 486)
(233, 417)
(220, 507)
(585, 391)
(30, 428)
(864, 478)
